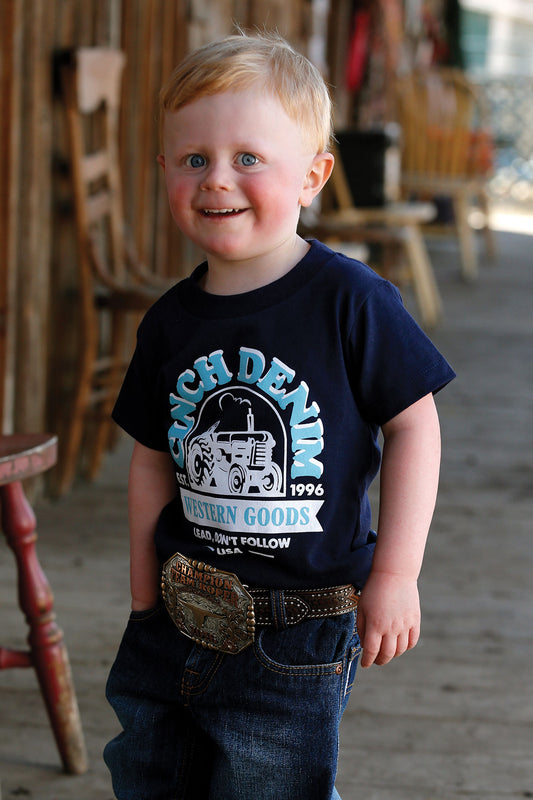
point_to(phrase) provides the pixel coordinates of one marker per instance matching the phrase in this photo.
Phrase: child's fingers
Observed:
(414, 635)
(402, 644)
(372, 644)
(368, 658)
(379, 650)
(361, 623)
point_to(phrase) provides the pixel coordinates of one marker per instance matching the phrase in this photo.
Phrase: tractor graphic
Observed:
(235, 462)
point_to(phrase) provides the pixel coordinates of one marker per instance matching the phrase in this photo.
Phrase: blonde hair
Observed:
(239, 62)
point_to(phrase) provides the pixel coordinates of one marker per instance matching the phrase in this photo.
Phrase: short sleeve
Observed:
(395, 363)
(139, 408)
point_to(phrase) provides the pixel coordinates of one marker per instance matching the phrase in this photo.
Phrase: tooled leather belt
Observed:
(300, 604)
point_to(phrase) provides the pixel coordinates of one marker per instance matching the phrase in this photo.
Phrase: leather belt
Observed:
(212, 607)
(295, 605)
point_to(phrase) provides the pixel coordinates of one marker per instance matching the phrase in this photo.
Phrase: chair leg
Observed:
(424, 283)
(72, 437)
(48, 652)
(488, 233)
(467, 241)
(112, 380)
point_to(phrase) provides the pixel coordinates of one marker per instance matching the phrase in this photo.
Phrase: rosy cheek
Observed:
(268, 195)
(179, 193)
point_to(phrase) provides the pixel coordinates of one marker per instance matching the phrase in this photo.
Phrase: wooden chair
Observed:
(395, 226)
(113, 285)
(446, 149)
(23, 456)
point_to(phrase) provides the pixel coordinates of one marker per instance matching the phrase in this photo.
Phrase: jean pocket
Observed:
(351, 667)
(312, 646)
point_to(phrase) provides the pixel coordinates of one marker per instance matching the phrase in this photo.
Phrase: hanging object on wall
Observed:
(358, 50)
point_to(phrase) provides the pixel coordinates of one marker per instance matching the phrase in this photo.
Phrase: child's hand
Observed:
(388, 617)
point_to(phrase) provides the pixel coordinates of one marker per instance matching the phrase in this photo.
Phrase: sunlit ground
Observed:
(512, 221)
(506, 218)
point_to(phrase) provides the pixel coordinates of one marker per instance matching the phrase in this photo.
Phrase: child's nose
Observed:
(218, 176)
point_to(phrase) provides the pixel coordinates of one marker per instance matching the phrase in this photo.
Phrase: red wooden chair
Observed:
(21, 457)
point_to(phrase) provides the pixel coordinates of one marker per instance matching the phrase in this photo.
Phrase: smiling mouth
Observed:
(222, 212)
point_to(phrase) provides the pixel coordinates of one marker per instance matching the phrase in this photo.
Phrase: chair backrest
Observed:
(443, 124)
(339, 185)
(91, 81)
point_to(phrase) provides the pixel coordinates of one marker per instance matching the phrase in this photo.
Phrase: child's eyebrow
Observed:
(260, 149)
(258, 146)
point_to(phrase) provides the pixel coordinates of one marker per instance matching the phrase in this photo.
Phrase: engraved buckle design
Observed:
(208, 605)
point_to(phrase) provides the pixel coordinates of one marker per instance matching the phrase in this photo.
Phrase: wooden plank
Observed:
(10, 74)
(173, 48)
(147, 148)
(34, 220)
(339, 30)
(159, 28)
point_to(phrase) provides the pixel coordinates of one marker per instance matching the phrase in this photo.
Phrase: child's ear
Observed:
(161, 160)
(317, 175)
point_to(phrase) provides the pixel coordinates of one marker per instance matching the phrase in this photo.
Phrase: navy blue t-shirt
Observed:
(270, 403)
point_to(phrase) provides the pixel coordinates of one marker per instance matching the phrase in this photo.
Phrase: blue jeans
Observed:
(259, 725)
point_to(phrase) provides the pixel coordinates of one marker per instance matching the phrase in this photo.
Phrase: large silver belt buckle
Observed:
(208, 605)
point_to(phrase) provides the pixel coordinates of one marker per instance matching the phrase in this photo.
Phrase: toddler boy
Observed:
(255, 398)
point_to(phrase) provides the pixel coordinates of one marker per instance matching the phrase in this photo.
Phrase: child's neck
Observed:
(238, 277)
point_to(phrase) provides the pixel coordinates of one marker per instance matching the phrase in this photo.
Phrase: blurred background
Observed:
(433, 186)
(361, 47)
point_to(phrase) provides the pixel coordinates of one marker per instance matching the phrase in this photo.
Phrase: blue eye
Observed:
(248, 160)
(195, 161)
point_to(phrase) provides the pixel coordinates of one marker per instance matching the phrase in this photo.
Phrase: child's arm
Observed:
(389, 608)
(152, 484)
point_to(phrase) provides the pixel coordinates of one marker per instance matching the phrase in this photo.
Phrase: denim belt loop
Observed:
(277, 604)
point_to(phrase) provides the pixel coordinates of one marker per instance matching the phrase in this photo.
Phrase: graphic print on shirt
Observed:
(231, 456)
(247, 447)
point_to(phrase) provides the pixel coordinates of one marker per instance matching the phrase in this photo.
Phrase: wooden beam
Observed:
(34, 217)
(10, 78)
